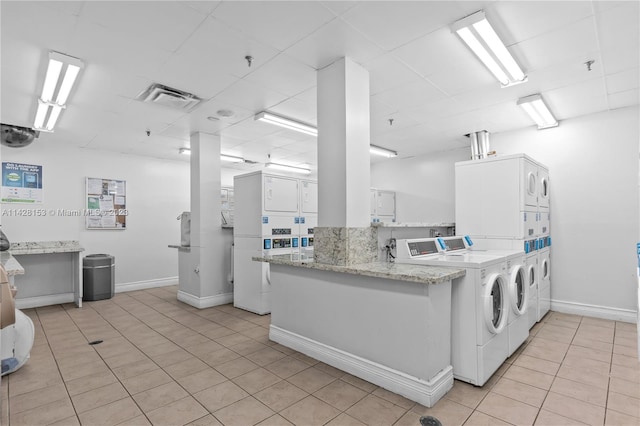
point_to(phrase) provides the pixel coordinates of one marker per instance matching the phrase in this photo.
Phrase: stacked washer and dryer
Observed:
(503, 204)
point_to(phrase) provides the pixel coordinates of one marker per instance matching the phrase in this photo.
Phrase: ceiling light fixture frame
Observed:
(538, 110)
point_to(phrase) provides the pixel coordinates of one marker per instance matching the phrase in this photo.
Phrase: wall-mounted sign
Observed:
(106, 204)
(21, 183)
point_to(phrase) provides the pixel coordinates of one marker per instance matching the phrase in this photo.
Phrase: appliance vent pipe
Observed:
(479, 144)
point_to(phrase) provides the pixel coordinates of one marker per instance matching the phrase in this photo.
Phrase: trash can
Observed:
(98, 275)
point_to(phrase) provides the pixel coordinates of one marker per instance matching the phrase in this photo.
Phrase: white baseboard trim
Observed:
(37, 301)
(604, 312)
(143, 285)
(205, 302)
(424, 392)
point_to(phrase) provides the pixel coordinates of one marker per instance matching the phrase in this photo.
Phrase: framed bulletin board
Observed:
(106, 204)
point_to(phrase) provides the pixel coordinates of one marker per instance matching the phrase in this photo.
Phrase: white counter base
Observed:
(424, 392)
(395, 334)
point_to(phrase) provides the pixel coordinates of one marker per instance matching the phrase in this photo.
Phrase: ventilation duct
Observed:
(479, 144)
(169, 97)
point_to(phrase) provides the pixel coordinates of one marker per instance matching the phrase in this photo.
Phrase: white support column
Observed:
(344, 235)
(206, 284)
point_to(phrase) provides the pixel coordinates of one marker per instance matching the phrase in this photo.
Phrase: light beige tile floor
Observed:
(162, 362)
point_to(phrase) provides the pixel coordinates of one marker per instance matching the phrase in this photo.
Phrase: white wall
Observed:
(157, 192)
(593, 163)
(424, 185)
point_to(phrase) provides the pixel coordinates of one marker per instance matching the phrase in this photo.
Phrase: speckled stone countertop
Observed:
(412, 225)
(11, 265)
(44, 247)
(394, 271)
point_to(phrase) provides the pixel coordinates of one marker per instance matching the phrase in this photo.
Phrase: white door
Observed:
(280, 194)
(530, 181)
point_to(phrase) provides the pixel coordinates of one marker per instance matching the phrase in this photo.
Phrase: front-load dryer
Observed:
(479, 307)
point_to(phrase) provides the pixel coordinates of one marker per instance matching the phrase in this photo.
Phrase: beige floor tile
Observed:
(625, 350)
(590, 321)
(132, 356)
(556, 333)
(204, 348)
(111, 414)
(590, 394)
(394, 398)
(626, 373)
(248, 411)
(614, 418)
(136, 421)
(69, 421)
(201, 380)
(219, 396)
(34, 399)
(207, 420)
(135, 369)
(520, 392)
(24, 384)
(537, 364)
(630, 327)
(232, 339)
(311, 379)
(247, 347)
(310, 411)
(256, 380)
(445, 410)
(266, 356)
(546, 349)
(280, 396)
(186, 368)
(283, 349)
(508, 410)
(178, 412)
(276, 420)
(169, 358)
(588, 353)
(98, 397)
(624, 387)
(302, 357)
(624, 404)
(548, 418)
(217, 332)
(552, 316)
(581, 375)
(332, 371)
(563, 323)
(466, 394)
(340, 394)
(146, 381)
(577, 361)
(529, 377)
(588, 342)
(219, 357)
(236, 367)
(159, 396)
(71, 362)
(574, 409)
(83, 370)
(163, 348)
(478, 418)
(626, 361)
(346, 420)
(287, 367)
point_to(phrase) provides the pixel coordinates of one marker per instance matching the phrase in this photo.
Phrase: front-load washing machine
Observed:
(479, 306)
(532, 280)
(544, 282)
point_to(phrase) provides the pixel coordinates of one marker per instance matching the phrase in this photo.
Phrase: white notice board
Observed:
(106, 204)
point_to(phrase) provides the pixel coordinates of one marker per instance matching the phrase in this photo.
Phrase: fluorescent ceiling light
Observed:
(185, 151)
(482, 39)
(384, 152)
(286, 168)
(288, 123)
(52, 101)
(231, 158)
(538, 111)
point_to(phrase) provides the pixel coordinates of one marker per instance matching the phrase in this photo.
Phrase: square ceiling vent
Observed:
(167, 96)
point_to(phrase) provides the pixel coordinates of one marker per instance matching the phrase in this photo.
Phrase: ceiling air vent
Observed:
(169, 97)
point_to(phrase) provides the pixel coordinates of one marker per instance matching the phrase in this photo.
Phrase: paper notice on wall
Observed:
(21, 183)
(108, 220)
(94, 186)
(106, 203)
(119, 201)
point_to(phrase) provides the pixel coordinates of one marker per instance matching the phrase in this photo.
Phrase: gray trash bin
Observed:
(98, 275)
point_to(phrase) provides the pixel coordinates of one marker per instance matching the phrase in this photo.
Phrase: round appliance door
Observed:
(544, 188)
(531, 275)
(531, 183)
(495, 303)
(545, 269)
(518, 290)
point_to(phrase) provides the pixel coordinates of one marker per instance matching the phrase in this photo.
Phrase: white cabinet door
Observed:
(280, 194)
(386, 203)
(308, 197)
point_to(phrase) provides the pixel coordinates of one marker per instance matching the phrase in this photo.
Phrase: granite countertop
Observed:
(43, 247)
(412, 225)
(394, 271)
(11, 265)
(179, 247)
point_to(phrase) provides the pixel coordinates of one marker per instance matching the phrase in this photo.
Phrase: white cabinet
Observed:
(383, 205)
(280, 194)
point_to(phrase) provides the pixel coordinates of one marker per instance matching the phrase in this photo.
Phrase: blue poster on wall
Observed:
(21, 183)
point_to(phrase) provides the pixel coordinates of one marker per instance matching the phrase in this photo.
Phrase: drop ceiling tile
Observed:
(278, 24)
(623, 81)
(304, 111)
(577, 40)
(250, 130)
(445, 60)
(284, 74)
(392, 24)
(379, 109)
(624, 99)
(580, 99)
(430, 111)
(301, 147)
(331, 42)
(250, 96)
(519, 21)
(51, 28)
(144, 115)
(339, 7)
(162, 25)
(620, 59)
(387, 72)
(400, 121)
(276, 141)
(564, 74)
(205, 7)
(410, 95)
(619, 27)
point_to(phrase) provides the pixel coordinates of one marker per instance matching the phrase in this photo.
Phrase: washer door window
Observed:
(531, 274)
(495, 303)
(545, 269)
(518, 290)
